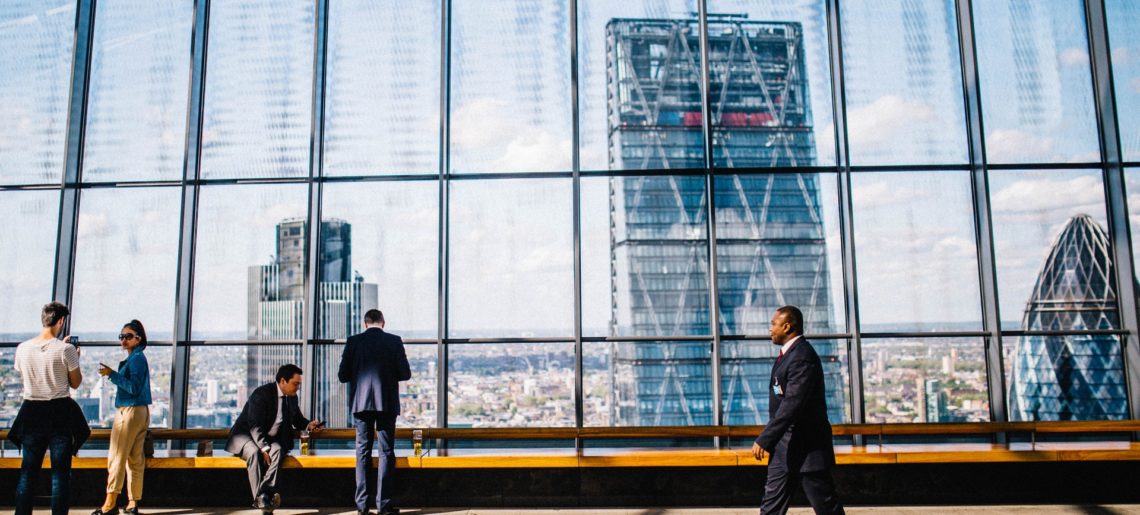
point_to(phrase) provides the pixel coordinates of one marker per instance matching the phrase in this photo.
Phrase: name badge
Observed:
(777, 390)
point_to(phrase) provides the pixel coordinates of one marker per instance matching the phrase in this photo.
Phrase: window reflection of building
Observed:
(770, 243)
(1074, 377)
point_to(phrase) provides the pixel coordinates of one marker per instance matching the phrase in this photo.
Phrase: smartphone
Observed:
(74, 340)
(105, 365)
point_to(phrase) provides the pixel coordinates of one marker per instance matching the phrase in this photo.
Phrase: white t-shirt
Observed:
(44, 365)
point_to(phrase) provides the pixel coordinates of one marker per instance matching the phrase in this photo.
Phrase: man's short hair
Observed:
(287, 372)
(53, 312)
(794, 316)
(374, 316)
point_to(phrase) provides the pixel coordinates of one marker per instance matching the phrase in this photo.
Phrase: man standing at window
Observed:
(263, 434)
(49, 419)
(798, 435)
(373, 364)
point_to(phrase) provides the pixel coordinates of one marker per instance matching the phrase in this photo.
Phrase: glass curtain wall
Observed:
(590, 230)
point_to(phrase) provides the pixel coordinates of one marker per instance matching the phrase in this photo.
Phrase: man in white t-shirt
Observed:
(47, 420)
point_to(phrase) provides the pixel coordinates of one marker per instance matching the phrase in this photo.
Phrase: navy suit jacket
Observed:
(257, 418)
(373, 364)
(798, 431)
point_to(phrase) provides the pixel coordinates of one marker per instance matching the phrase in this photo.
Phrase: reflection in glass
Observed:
(136, 112)
(11, 397)
(916, 253)
(1079, 377)
(925, 380)
(746, 372)
(1132, 192)
(1050, 226)
(647, 383)
(778, 244)
(223, 376)
(782, 118)
(250, 259)
(510, 89)
(394, 244)
(259, 90)
(600, 61)
(903, 81)
(645, 256)
(382, 89)
(96, 395)
(37, 37)
(511, 258)
(417, 395)
(1124, 38)
(127, 263)
(27, 260)
(1033, 63)
(511, 385)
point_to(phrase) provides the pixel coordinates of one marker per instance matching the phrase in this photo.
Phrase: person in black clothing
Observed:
(263, 434)
(373, 364)
(798, 434)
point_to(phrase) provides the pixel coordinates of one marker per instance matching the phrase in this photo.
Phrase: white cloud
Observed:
(1016, 145)
(1030, 196)
(488, 129)
(884, 194)
(881, 121)
(1121, 56)
(1074, 56)
(1134, 85)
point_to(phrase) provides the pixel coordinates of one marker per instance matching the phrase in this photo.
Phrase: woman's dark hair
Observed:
(137, 327)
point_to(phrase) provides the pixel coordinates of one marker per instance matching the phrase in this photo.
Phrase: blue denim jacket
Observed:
(133, 380)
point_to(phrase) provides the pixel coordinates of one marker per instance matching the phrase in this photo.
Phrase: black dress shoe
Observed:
(390, 511)
(131, 511)
(112, 511)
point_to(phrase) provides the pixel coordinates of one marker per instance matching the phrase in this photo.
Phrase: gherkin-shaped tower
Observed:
(1078, 377)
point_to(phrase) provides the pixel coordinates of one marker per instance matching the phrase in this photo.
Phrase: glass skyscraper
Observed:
(1075, 377)
(658, 224)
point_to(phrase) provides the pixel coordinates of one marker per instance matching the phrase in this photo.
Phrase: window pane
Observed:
(250, 264)
(37, 37)
(140, 73)
(627, 120)
(647, 383)
(382, 238)
(259, 90)
(382, 89)
(1124, 37)
(1065, 378)
(1051, 245)
(96, 395)
(417, 395)
(223, 376)
(746, 372)
(1132, 187)
(783, 118)
(925, 380)
(11, 397)
(27, 260)
(511, 258)
(644, 256)
(511, 385)
(127, 262)
(903, 80)
(778, 244)
(916, 251)
(1033, 63)
(510, 86)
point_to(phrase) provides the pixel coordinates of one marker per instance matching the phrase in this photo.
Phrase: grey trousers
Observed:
(262, 477)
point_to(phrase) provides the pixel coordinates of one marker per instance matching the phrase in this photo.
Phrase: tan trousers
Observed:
(125, 458)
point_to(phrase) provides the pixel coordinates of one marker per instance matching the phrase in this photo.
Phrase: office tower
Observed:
(276, 309)
(1077, 377)
(933, 403)
(770, 238)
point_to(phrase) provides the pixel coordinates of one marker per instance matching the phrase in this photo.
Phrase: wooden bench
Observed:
(734, 452)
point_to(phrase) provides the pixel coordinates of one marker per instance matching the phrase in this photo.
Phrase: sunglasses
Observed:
(128, 337)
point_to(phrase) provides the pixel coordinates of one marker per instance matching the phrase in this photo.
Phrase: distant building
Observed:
(770, 239)
(1077, 377)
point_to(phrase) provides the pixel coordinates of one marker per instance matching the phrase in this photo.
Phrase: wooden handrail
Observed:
(570, 433)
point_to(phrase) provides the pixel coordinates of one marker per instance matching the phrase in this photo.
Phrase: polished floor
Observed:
(1126, 509)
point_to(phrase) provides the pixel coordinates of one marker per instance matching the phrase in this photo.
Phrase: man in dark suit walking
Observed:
(263, 434)
(798, 435)
(373, 364)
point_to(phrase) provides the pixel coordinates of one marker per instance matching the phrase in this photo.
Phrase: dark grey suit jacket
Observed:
(798, 430)
(257, 418)
(373, 364)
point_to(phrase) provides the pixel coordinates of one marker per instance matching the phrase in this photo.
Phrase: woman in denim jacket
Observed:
(132, 418)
